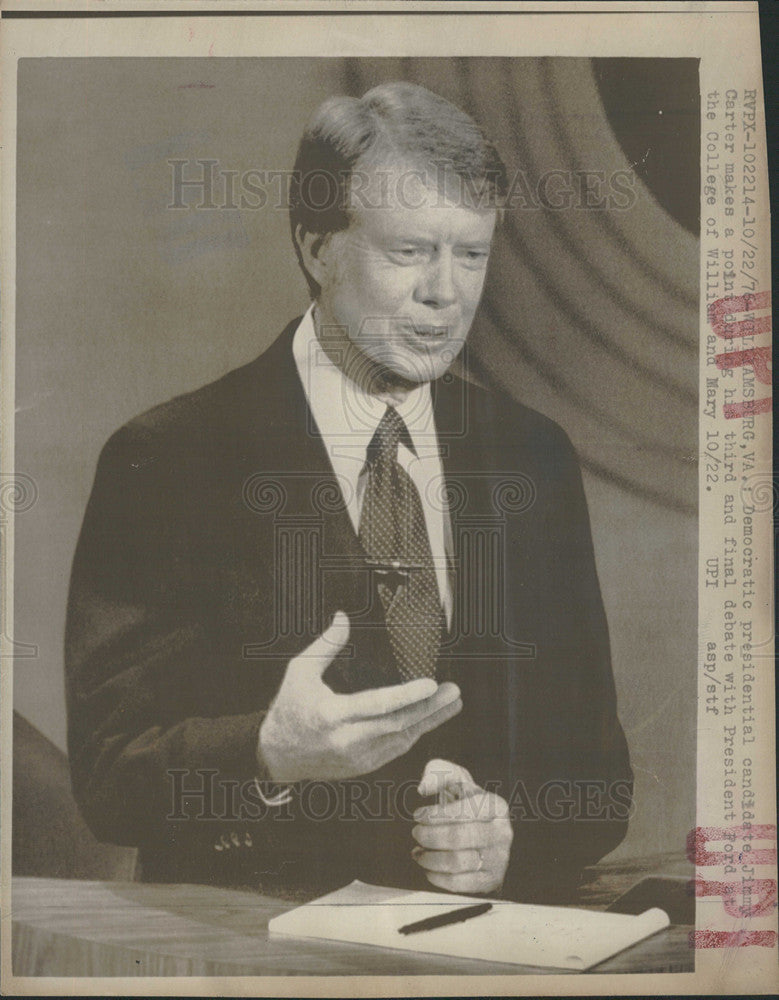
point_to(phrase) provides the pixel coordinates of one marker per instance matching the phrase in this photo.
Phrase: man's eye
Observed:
(476, 256)
(408, 254)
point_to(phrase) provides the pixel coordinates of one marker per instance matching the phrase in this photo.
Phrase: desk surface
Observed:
(74, 928)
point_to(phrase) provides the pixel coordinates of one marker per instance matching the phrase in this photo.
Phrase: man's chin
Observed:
(403, 370)
(410, 377)
(419, 368)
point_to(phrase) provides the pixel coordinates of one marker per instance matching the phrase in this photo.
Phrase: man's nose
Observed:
(437, 289)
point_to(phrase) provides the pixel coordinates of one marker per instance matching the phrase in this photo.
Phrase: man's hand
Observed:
(464, 841)
(312, 733)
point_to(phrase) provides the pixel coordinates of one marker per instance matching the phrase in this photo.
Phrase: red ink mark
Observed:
(758, 358)
(750, 327)
(732, 939)
(762, 888)
(698, 839)
(211, 49)
(747, 408)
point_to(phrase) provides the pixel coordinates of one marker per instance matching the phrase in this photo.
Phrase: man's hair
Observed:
(400, 122)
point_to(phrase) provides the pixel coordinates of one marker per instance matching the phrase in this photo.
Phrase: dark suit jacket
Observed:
(216, 546)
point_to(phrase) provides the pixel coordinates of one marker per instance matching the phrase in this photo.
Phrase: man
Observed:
(337, 614)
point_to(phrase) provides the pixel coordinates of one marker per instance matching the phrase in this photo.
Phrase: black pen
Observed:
(444, 919)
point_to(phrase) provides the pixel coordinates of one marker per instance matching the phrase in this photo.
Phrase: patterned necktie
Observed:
(394, 535)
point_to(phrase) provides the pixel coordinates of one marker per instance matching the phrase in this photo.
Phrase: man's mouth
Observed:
(433, 332)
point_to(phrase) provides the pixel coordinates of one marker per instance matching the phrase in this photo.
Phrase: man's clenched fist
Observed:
(463, 841)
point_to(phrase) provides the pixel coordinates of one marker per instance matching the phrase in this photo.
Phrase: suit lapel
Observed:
(314, 519)
(301, 458)
(464, 487)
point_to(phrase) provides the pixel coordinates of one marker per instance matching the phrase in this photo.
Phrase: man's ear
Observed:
(313, 252)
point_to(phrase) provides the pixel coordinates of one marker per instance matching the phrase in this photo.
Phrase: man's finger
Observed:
(477, 807)
(384, 700)
(452, 862)
(317, 657)
(453, 836)
(466, 882)
(411, 715)
(442, 778)
(430, 722)
(393, 743)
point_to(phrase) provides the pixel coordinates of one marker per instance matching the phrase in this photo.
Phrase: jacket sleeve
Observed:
(136, 641)
(571, 763)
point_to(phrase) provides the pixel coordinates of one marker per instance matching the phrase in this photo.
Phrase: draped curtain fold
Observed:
(590, 313)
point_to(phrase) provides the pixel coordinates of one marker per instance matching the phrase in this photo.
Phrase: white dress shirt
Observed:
(347, 417)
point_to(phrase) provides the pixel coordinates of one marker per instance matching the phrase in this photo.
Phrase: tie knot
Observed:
(391, 430)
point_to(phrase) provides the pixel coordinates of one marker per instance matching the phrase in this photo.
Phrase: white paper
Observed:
(550, 937)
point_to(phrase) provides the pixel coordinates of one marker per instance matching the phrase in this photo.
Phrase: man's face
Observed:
(404, 280)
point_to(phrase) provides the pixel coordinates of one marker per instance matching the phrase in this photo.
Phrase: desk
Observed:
(74, 928)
